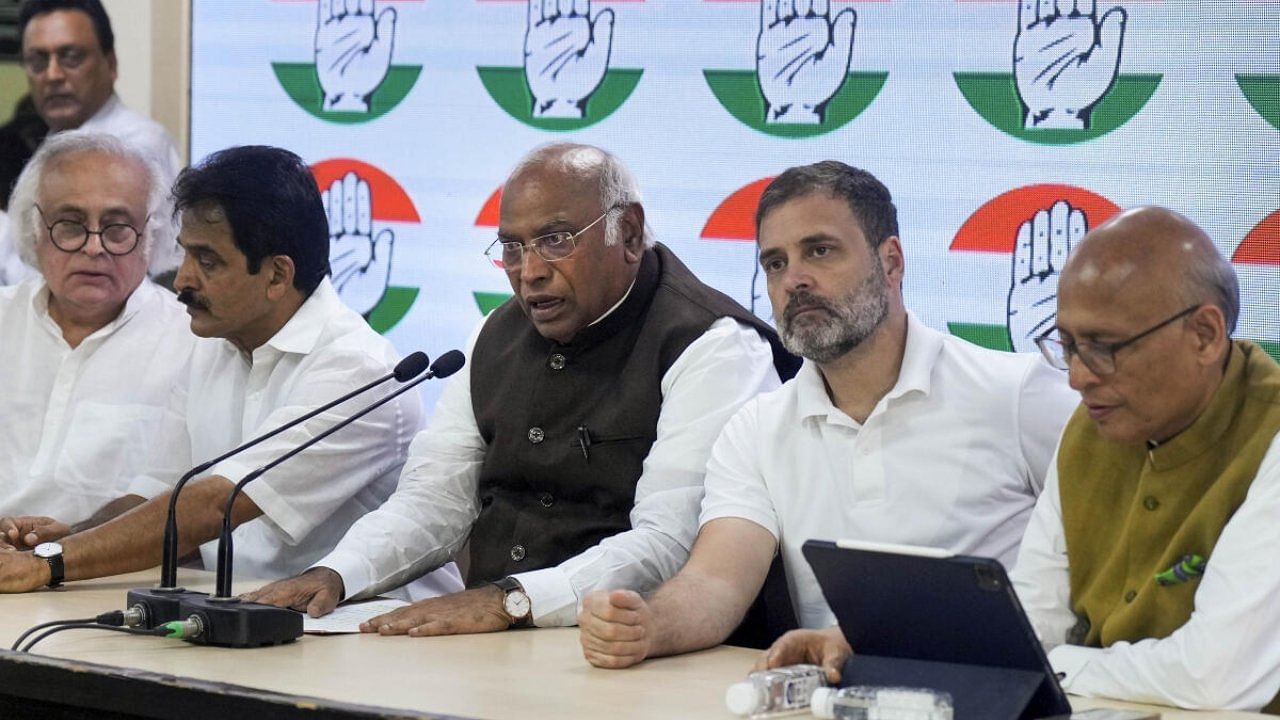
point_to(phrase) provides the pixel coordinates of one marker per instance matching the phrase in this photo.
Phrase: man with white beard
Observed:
(891, 432)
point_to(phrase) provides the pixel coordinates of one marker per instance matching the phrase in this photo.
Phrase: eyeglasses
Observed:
(69, 58)
(71, 235)
(1100, 358)
(551, 247)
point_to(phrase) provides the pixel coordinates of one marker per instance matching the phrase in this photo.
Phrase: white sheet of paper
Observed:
(347, 618)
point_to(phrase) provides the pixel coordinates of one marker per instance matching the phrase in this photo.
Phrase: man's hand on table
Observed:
(826, 648)
(470, 611)
(28, 531)
(21, 571)
(615, 628)
(316, 592)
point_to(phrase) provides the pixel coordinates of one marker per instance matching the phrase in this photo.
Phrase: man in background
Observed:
(68, 52)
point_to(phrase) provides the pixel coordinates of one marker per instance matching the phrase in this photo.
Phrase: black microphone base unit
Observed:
(160, 605)
(231, 622)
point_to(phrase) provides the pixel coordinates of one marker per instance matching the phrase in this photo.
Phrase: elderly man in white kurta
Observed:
(89, 349)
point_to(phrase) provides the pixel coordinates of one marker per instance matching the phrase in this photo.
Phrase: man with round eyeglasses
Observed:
(89, 348)
(570, 452)
(1149, 565)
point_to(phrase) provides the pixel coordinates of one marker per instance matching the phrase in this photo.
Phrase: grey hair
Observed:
(24, 224)
(1213, 280)
(618, 187)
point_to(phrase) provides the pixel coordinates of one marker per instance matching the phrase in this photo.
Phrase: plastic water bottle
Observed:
(881, 703)
(766, 693)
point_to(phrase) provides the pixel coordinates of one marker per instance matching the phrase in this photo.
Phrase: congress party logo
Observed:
(802, 84)
(351, 78)
(365, 207)
(487, 302)
(1261, 248)
(1035, 226)
(565, 82)
(1263, 93)
(1065, 84)
(734, 220)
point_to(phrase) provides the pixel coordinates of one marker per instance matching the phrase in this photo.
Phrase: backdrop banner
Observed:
(1005, 129)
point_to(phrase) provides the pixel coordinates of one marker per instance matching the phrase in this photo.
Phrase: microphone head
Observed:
(448, 364)
(411, 367)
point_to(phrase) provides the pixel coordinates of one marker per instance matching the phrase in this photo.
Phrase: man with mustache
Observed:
(89, 347)
(570, 453)
(1149, 566)
(890, 432)
(68, 53)
(281, 343)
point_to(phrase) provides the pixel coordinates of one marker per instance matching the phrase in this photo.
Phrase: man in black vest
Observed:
(572, 449)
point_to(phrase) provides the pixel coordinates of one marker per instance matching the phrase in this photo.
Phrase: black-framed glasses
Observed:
(552, 247)
(69, 58)
(72, 235)
(1100, 358)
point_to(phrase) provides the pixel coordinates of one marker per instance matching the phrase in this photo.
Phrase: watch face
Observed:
(47, 550)
(516, 604)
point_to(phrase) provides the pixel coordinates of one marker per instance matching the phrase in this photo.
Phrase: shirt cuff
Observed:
(147, 487)
(1069, 661)
(355, 571)
(551, 597)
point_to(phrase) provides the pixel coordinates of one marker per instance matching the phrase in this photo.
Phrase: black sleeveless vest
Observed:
(567, 427)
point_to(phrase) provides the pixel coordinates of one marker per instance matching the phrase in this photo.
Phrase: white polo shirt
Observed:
(75, 423)
(309, 501)
(952, 457)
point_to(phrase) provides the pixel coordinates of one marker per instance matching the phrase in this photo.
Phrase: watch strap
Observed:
(509, 585)
(57, 570)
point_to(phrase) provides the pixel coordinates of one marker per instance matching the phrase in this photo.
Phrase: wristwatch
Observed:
(516, 603)
(52, 554)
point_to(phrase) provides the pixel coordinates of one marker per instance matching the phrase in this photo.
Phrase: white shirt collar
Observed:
(918, 358)
(104, 113)
(300, 333)
(616, 305)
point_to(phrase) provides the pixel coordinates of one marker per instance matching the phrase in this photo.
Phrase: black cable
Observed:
(18, 643)
(155, 632)
(115, 617)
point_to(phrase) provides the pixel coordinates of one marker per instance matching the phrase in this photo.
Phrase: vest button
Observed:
(1150, 502)
(517, 552)
(547, 500)
(1128, 597)
(556, 362)
(536, 435)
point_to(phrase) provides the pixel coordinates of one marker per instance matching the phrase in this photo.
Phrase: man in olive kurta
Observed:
(1151, 566)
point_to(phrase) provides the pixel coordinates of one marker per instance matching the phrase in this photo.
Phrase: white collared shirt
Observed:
(75, 423)
(952, 457)
(1227, 656)
(429, 516)
(308, 502)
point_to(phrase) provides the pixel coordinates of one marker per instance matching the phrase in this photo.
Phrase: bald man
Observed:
(1150, 566)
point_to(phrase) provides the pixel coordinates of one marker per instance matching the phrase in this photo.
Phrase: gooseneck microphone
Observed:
(160, 604)
(228, 621)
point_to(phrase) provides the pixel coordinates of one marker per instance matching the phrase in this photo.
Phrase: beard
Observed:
(841, 325)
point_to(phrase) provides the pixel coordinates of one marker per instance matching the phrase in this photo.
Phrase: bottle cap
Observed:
(742, 698)
(823, 703)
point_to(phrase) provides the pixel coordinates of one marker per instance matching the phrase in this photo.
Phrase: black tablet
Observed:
(922, 617)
